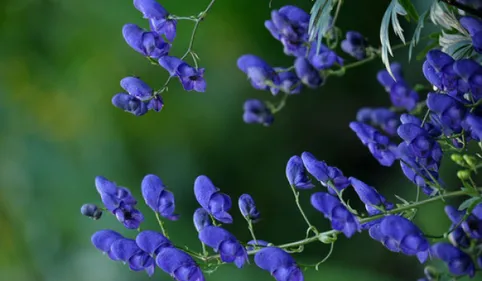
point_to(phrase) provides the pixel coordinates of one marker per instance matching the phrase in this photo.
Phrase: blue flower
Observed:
(103, 240)
(473, 225)
(179, 265)
(152, 242)
(469, 74)
(91, 210)
(457, 235)
(148, 43)
(279, 264)
(289, 82)
(212, 200)
(225, 243)
(157, 197)
(458, 262)
(474, 123)
(201, 219)
(328, 176)
(474, 27)
(191, 78)
(126, 250)
(381, 117)
(307, 73)
(401, 94)
(261, 75)
(368, 195)
(331, 207)
(137, 98)
(355, 45)
(448, 112)
(158, 18)
(379, 145)
(120, 202)
(398, 234)
(322, 57)
(289, 25)
(256, 111)
(438, 70)
(248, 208)
(296, 174)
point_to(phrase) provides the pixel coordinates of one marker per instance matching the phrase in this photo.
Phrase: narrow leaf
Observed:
(416, 33)
(470, 204)
(390, 16)
(320, 20)
(410, 8)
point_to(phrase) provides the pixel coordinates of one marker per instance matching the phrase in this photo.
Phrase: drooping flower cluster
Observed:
(462, 254)
(289, 25)
(140, 98)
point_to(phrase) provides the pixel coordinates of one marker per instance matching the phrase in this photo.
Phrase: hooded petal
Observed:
(151, 241)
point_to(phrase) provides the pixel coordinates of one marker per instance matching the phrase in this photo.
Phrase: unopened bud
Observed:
(463, 174)
(91, 210)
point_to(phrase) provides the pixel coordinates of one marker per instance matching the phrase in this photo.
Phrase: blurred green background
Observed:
(60, 64)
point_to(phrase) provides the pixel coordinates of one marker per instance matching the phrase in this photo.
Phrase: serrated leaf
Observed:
(456, 45)
(416, 33)
(390, 16)
(320, 20)
(410, 8)
(444, 16)
(470, 204)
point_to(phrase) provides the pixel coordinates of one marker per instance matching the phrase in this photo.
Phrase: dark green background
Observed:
(60, 64)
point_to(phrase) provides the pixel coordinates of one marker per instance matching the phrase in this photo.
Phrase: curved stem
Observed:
(326, 235)
(297, 200)
(161, 224)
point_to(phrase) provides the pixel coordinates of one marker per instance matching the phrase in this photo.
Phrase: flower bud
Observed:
(463, 174)
(91, 210)
(457, 158)
(471, 160)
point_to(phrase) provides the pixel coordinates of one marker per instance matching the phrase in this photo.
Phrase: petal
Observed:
(170, 64)
(136, 87)
(213, 236)
(203, 190)
(124, 249)
(104, 239)
(151, 9)
(271, 258)
(316, 168)
(151, 241)
(170, 259)
(201, 219)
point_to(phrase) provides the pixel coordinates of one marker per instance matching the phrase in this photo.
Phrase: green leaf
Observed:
(416, 33)
(470, 204)
(410, 8)
(320, 19)
(390, 17)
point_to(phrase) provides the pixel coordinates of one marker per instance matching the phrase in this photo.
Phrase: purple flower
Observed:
(103, 240)
(289, 25)
(157, 197)
(256, 111)
(289, 82)
(158, 18)
(331, 207)
(147, 43)
(120, 202)
(368, 195)
(381, 117)
(399, 234)
(401, 94)
(438, 70)
(156, 103)
(379, 145)
(179, 265)
(126, 250)
(458, 262)
(248, 208)
(457, 236)
(448, 112)
(191, 78)
(152, 242)
(355, 45)
(212, 200)
(474, 27)
(296, 174)
(469, 74)
(474, 123)
(322, 57)
(279, 264)
(307, 73)
(137, 97)
(261, 75)
(326, 175)
(225, 243)
(91, 210)
(201, 219)
(473, 225)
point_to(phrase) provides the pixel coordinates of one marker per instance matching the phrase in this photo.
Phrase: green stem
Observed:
(297, 200)
(251, 230)
(161, 224)
(323, 236)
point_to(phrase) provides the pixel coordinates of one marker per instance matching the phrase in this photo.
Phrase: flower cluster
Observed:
(313, 60)
(155, 44)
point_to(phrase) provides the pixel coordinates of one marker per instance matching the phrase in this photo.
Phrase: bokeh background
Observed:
(60, 64)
